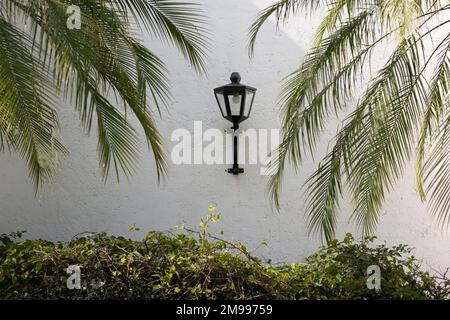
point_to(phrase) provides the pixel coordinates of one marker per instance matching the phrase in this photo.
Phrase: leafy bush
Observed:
(194, 264)
(338, 271)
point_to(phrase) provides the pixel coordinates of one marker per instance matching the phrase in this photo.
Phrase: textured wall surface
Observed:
(79, 201)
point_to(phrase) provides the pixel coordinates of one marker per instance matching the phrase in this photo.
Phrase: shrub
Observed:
(194, 264)
(339, 271)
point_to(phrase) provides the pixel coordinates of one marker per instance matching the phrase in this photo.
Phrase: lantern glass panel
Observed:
(235, 103)
(250, 96)
(221, 101)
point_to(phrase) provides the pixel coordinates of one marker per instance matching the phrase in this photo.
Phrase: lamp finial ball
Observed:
(235, 77)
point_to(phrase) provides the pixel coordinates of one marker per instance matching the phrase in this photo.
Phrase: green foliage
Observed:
(102, 69)
(194, 264)
(338, 271)
(403, 110)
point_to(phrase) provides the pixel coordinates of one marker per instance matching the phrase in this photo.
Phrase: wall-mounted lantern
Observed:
(235, 102)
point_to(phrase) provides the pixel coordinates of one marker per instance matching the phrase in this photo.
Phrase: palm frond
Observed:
(436, 126)
(435, 103)
(282, 10)
(104, 70)
(384, 146)
(178, 23)
(377, 139)
(307, 101)
(28, 122)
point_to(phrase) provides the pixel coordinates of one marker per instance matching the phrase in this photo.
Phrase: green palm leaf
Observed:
(400, 111)
(102, 68)
(27, 119)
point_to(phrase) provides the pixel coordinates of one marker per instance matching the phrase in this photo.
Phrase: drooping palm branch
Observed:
(402, 114)
(102, 69)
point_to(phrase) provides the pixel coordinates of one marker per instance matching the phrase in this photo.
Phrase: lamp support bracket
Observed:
(235, 169)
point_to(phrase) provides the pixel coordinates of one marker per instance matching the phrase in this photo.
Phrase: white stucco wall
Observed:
(78, 201)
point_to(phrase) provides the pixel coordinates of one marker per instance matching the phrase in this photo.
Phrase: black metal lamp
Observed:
(235, 102)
